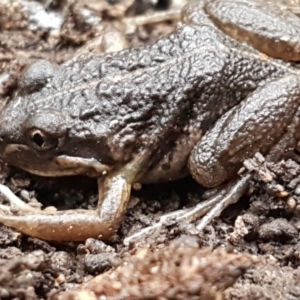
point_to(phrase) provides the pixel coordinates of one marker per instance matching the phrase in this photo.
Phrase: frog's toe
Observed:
(179, 217)
(210, 209)
(235, 191)
(15, 202)
(4, 209)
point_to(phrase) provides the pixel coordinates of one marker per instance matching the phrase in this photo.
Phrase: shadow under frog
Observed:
(202, 100)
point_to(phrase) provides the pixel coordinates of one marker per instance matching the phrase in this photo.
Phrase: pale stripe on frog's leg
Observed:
(78, 225)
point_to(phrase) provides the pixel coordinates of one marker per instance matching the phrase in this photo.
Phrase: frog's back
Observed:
(152, 96)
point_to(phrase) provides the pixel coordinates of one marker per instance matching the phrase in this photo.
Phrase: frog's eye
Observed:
(45, 130)
(42, 141)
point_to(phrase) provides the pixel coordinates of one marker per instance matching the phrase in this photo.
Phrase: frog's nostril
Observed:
(9, 129)
(2, 143)
(2, 138)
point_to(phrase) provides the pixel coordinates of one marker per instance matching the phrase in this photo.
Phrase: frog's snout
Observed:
(9, 133)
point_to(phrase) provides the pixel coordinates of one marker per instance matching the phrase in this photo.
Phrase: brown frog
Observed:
(200, 100)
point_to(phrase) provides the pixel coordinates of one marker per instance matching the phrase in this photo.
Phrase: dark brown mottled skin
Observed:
(197, 98)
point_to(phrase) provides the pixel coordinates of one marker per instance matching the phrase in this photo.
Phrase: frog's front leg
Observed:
(72, 225)
(77, 225)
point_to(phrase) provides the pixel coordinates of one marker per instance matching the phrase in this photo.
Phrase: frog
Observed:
(220, 88)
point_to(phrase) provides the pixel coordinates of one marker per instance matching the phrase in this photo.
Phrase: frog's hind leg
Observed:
(267, 122)
(246, 21)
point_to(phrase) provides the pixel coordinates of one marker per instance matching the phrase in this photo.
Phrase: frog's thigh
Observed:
(255, 125)
(270, 27)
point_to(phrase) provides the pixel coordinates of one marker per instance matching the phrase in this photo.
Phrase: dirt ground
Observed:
(250, 252)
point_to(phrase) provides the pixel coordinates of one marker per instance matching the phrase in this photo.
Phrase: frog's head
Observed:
(35, 133)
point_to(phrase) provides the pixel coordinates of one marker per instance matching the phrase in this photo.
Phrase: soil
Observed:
(250, 252)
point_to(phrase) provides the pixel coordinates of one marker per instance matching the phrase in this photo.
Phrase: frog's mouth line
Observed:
(23, 157)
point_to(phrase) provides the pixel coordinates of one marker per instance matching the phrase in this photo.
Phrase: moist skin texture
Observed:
(200, 100)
